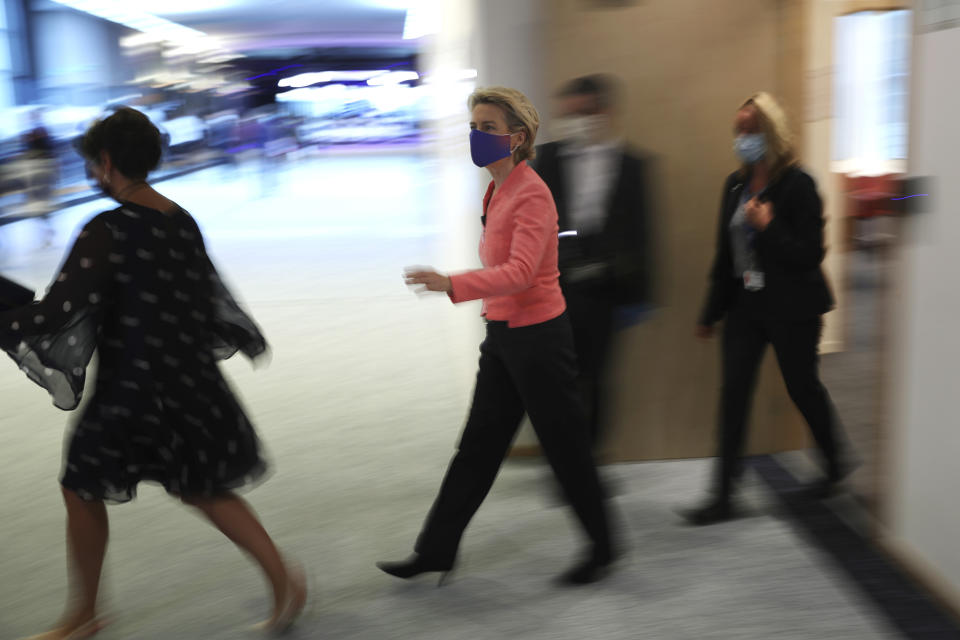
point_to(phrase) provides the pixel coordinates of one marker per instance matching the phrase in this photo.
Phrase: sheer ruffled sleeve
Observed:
(53, 339)
(233, 330)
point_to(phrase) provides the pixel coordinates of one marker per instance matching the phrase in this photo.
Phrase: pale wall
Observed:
(925, 364)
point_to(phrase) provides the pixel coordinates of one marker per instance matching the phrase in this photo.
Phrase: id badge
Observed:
(753, 280)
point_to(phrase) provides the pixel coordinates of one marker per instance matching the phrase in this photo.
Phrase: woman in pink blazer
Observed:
(527, 361)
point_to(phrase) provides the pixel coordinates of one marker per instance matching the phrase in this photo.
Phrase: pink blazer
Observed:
(519, 281)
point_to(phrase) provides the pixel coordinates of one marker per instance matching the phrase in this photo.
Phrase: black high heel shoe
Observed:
(587, 572)
(714, 511)
(416, 565)
(596, 566)
(832, 484)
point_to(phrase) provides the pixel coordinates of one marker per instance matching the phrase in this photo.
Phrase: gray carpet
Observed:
(359, 411)
(170, 576)
(855, 375)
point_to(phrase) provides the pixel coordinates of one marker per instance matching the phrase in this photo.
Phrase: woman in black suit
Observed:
(767, 281)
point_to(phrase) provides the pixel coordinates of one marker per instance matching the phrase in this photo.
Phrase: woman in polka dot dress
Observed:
(138, 288)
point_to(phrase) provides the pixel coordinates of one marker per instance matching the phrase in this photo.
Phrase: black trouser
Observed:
(530, 369)
(749, 327)
(591, 314)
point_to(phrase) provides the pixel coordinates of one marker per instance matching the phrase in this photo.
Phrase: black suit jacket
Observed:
(622, 244)
(789, 250)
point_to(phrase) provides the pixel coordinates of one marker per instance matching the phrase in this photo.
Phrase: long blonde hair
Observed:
(520, 114)
(781, 152)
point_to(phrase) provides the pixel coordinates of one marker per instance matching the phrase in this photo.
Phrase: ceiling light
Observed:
(116, 11)
(393, 77)
(316, 77)
(176, 7)
(423, 19)
(153, 28)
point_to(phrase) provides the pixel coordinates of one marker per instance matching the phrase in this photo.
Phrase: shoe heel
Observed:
(444, 576)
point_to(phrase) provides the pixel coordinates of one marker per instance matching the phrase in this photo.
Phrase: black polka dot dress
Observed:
(139, 289)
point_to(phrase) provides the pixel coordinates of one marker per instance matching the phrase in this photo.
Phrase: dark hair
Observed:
(132, 141)
(601, 87)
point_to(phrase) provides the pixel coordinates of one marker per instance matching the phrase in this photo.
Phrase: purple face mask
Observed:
(487, 148)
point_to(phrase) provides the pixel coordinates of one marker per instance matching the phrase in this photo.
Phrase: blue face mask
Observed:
(487, 148)
(750, 147)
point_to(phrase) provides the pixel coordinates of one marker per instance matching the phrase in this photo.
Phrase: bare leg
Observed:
(235, 519)
(87, 532)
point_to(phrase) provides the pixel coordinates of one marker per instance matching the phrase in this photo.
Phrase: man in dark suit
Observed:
(598, 184)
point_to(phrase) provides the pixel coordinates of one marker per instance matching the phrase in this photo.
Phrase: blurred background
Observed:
(322, 147)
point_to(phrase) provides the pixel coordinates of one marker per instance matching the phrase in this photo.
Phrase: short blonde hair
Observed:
(781, 152)
(520, 114)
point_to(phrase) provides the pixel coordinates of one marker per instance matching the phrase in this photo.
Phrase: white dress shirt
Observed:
(591, 172)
